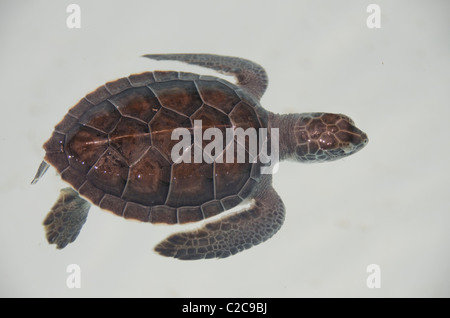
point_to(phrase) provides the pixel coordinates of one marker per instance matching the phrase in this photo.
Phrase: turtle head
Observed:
(325, 137)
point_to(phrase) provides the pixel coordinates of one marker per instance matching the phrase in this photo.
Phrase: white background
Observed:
(387, 205)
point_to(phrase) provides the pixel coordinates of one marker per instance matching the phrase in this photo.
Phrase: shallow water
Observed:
(386, 205)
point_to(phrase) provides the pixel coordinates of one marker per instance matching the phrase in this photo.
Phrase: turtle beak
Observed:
(359, 140)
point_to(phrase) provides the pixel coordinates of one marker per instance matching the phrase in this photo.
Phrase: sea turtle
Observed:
(114, 148)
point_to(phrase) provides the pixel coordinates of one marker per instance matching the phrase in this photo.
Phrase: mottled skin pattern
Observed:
(62, 225)
(114, 147)
(233, 233)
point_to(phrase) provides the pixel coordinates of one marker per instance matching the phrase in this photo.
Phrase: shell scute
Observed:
(188, 76)
(148, 180)
(164, 76)
(137, 212)
(142, 79)
(57, 159)
(229, 176)
(55, 143)
(245, 117)
(189, 214)
(103, 116)
(113, 204)
(80, 108)
(66, 124)
(218, 95)
(191, 185)
(212, 118)
(74, 177)
(110, 172)
(98, 96)
(178, 95)
(91, 192)
(118, 86)
(163, 214)
(139, 103)
(212, 208)
(231, 201)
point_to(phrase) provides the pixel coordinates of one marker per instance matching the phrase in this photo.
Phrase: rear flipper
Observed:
(231, 234)
(66, 218)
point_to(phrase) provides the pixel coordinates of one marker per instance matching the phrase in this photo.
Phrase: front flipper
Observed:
(66, 218)
(251, 76)
(231, 234)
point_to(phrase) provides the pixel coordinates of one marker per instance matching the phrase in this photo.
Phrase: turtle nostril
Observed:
(365, 139)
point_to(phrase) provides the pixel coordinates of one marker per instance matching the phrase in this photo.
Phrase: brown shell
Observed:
(114, 147)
